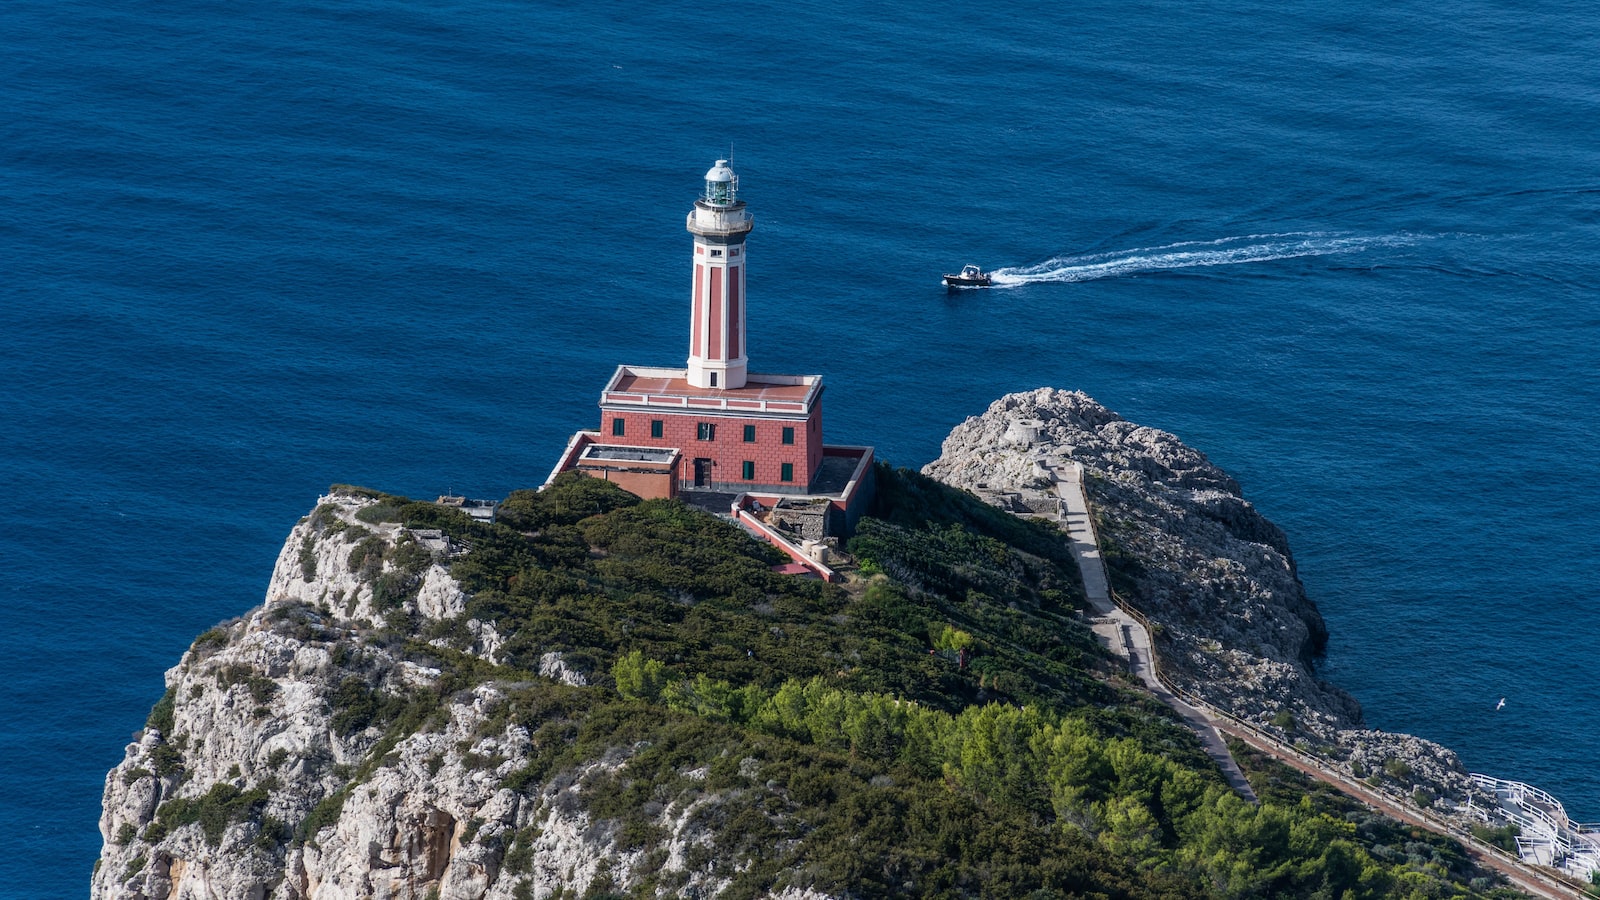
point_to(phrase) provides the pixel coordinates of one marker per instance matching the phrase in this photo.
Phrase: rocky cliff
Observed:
(268, 770)
(1234, 623)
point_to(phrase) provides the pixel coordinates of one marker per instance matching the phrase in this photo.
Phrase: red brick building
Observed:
(714, 426)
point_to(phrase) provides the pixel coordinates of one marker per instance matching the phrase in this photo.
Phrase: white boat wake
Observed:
(1192, 254)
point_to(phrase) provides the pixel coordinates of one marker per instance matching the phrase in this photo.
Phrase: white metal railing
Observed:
(1551, 825)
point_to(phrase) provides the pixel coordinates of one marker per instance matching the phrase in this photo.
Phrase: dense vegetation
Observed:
(945, 726)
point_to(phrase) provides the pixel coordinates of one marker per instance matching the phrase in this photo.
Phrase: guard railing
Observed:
(1243, 728)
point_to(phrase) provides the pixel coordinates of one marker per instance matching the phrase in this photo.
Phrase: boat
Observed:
(971, 276)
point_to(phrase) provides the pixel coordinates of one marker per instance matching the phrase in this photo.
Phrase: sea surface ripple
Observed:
(1349, 251)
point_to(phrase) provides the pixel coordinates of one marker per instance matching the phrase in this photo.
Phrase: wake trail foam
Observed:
(1190, 254)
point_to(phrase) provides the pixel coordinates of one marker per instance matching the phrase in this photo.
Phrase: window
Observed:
(787, 472)
(713, 379)
(734, 252)
(749, 470)
(788, 435)
(619, 427)
(707, 431)
(656, 428)
(749, 434)
(716, 253)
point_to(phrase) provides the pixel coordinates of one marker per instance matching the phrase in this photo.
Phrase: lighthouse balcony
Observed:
(706, 219)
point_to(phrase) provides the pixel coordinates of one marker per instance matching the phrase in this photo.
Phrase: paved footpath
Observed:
(1126, 636)
(1130, 640)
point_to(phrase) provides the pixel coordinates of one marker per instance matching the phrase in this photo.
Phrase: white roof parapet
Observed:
(628, 453)
(567, 454)
(741, 400)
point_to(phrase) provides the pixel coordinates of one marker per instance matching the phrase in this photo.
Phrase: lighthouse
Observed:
(720, 223)
(713, 432)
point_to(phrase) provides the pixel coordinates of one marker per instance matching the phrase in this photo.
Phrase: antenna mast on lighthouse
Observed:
(720, 223)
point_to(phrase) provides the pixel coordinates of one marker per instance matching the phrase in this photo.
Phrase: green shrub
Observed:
(1504, 836)
(324, 814)
(410, 557)
(385, 511)
(567, 500)
(952, 638)
(366, 557)
(355, 706)
(355, 490)
(272, 835)
(638, 678)
(260, 687)
(211, 640)
(392, 589)
(167, 759)
(308, 558)
(519, 855)
(218, 808)
(161, 715)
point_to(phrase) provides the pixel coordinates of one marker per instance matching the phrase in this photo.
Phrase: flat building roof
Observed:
(669, 388)
(629, 454)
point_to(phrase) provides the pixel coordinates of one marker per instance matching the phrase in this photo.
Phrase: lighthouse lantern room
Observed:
(713, 427)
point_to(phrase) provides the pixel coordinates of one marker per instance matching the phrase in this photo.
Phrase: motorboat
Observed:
(971, 276)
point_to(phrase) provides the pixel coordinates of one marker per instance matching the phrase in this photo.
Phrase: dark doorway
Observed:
(702, 473)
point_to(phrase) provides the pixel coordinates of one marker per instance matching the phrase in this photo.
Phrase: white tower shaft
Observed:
(720, 223)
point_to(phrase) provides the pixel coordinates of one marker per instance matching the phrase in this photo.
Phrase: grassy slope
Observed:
(1031, 769)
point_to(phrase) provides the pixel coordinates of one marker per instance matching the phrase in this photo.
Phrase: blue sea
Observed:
(251, 249)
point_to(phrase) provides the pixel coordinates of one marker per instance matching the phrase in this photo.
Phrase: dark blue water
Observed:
(247, 250)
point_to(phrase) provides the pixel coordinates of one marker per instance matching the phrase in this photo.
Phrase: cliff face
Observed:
(1235, 624)
(268, 773)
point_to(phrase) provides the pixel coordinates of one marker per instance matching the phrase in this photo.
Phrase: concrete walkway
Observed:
(1129, 639)
(1122, 632)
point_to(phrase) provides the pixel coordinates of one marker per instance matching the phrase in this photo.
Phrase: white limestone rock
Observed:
(330, 810)
(1236, 626)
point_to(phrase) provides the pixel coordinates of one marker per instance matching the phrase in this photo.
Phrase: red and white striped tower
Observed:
(720, 224)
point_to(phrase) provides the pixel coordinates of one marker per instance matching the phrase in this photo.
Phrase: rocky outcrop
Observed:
(304, 752)
(1234, 624)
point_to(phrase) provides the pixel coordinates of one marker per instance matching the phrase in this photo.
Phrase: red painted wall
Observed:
(735, 306)
(728, 450)
(648, 485)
